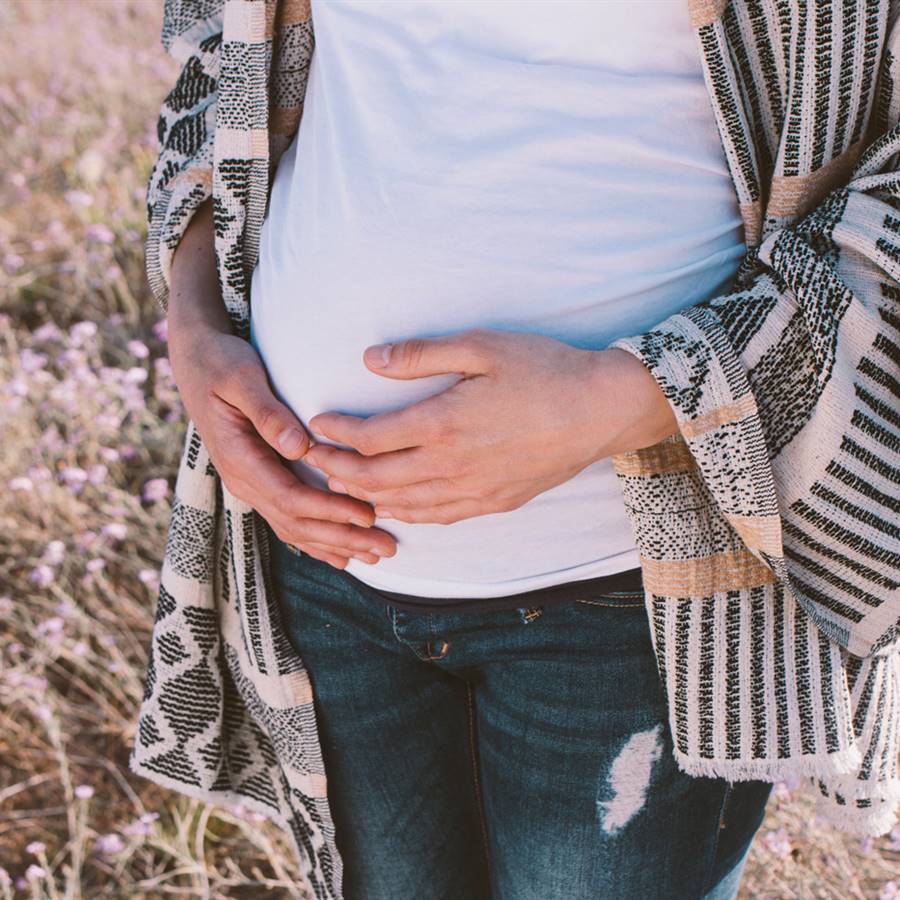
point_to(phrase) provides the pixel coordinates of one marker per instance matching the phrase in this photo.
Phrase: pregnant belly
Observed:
(574, 531)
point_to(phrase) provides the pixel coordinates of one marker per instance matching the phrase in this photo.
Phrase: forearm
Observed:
(195, 299)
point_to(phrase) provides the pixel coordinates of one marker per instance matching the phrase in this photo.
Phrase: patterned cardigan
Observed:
(768, 526)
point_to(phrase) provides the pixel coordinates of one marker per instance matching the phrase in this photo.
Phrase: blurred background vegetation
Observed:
(91, 431)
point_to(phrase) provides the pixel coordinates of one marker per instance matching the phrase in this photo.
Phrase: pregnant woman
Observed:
(542, 499)
(487, 688)
(516, 186)
(498, 191)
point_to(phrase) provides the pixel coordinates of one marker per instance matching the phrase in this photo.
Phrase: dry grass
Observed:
(91, 433)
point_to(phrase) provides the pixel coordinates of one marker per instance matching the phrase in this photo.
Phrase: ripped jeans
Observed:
(512, 755)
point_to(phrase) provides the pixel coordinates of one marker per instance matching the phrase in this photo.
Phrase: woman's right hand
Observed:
(226, 392)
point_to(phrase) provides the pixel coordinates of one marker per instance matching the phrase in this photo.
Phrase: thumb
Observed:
(273, 421)
(416, 358)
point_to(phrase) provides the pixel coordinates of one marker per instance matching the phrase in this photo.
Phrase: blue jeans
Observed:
(514, 755)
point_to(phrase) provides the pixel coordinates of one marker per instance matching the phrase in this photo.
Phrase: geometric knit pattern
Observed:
(767, 526)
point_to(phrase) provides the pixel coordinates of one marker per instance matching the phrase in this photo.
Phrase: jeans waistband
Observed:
(628, 581)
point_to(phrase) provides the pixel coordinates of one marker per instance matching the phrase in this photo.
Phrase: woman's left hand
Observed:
(529, 413)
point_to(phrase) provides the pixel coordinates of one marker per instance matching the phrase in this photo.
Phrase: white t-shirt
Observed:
(547, 166)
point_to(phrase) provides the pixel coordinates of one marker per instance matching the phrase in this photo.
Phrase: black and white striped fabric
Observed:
(768, 526)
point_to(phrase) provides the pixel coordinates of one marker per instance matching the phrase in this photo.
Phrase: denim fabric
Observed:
(513, 755)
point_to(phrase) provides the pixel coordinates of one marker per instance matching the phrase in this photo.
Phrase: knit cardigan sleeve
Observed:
(786, 391)
(182, 176)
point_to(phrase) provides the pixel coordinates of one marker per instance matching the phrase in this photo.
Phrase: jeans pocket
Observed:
(624, 599)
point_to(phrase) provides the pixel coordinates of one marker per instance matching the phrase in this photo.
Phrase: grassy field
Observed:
(91, 430)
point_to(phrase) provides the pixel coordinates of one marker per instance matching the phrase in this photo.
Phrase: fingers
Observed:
(247, 389)
(346, 537)
(255, 474)
(332, 558)
(441, 514)
(301, 502)
(417, 424)
(297, 524)
(375, 473)
(466, 352)
(336, 555)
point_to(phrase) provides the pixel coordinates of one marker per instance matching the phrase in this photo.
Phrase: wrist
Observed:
(634, 403)
(187, 336)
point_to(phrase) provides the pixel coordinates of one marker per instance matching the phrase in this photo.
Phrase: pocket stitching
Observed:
(624, 599)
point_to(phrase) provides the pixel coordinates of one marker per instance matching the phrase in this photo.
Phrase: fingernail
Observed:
(290, 440)
(378, 551)
(361, 522)
(383, 514)
(379, 355)
(337, 486)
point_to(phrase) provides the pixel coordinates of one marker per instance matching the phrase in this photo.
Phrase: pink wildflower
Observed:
(138, 349)
(29, 361)
(39, 473)
(143, 826)
(53, 625)
(116, 531)
(149, 577)
(155, 489)
(81, 331)
(34, 873)
(135, 375)
(42, 575)
(778, 843)
(86, 540)
(97, 473)
(74, 477)
(100, 233)
(12, 262)
(65, 608)
(109, 844)
(78, 198)
(49, 331)
(54, 553)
